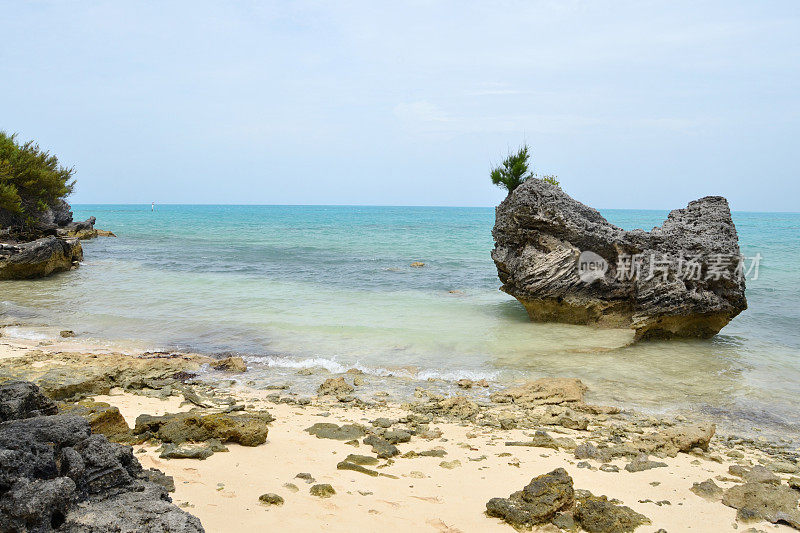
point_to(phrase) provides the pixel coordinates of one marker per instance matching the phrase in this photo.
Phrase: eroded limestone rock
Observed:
(540, 233)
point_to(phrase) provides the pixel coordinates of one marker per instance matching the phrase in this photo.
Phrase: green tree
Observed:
(31, 180)
(513, 171)
(551, 178)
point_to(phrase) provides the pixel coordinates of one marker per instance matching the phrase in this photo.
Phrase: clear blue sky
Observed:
(634, 104)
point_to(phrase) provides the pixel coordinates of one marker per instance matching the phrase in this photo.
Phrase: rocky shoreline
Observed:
(363, 460)
(52, 245)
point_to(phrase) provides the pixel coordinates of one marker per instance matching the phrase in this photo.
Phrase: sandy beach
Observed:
(470, 460)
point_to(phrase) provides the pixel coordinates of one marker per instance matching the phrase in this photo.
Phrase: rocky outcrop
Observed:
(82, 230)
(55, 475)
(565, 263)
(44, 246)
(39, 258)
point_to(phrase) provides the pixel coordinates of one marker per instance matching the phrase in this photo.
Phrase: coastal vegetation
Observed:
(31, 181)
(515, 170)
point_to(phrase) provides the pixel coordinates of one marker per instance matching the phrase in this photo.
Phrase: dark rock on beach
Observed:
(551, 498)
(55, 475)
(20, 399)
(247, 429)
(599, 515)
(328, 430)
(537, 503)
(678, 280)
(641, 463)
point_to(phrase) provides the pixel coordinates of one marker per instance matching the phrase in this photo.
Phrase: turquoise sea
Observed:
(332, 287)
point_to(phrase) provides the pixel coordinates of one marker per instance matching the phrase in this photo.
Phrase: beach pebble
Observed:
(305, 476)
(270, 499)
(323, 490)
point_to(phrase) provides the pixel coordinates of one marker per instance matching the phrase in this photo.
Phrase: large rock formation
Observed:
(566, 263)
(56, 476)
(48, 245)
(39, 258)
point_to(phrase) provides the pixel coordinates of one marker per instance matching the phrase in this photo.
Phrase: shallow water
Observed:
(326, 286)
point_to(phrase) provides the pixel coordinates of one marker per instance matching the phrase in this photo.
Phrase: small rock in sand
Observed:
(708, 490)
(346, 465)
(323, 490)
(384, 423)
(328, 430)
(449, 465)
(381, 447)
(305, 476)
(67, 333)
(270, 499)
(642, 462)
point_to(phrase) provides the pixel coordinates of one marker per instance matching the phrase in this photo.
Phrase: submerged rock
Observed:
(678, 280)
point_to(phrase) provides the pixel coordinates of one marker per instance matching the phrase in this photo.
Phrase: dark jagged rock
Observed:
(21, 399)
(540, 233)
(39, 258)
(56, 476)
(537, 503)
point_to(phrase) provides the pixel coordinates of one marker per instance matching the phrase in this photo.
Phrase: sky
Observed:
(633, 104)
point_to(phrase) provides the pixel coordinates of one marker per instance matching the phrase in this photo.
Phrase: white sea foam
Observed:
(335, 367)
(30, 334)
